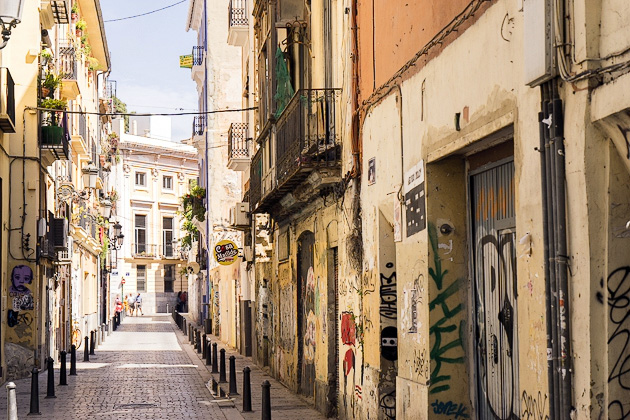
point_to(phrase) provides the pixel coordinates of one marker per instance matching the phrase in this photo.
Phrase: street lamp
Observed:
(90, 173)
(106, 208)
(10, 16)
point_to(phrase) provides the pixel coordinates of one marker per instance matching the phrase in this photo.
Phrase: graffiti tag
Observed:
(450, 408)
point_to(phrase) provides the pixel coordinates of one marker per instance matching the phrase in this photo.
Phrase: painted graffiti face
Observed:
(20, 276)
(389, 343)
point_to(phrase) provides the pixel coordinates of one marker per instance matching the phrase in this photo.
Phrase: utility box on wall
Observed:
(538, 36)
(239, 215)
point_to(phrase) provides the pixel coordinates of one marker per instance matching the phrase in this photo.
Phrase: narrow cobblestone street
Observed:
(141, 371)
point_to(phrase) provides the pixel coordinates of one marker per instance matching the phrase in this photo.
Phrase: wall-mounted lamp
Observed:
(106, 208)
(10, 16)
(90, 174)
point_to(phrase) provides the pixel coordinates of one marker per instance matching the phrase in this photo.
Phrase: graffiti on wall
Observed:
(445, 332)
(21, 300)
(389, 340)
(388, 294)
(618, 285)
(388, 404)
(534, 407)
(451, 409)
(348, 338)
(287, 317)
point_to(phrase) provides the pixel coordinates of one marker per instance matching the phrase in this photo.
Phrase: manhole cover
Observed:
(134, 406)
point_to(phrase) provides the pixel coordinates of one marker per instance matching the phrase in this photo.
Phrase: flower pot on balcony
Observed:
(52, 134)
(74, 16)
(46, 92)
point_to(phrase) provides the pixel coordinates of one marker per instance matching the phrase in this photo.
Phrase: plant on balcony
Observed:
(80, 27)
(92, 63)
(74, 12)
(52, 133)
(50, 84)
(193, 208)
(46, 57)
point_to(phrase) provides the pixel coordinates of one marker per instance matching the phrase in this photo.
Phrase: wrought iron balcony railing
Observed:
(199, 125)
(307, 134)
(197, 53)
(238, 141)
(56, 138)
(144, 250)
(255, 185)
(68, 62)
(237, 13)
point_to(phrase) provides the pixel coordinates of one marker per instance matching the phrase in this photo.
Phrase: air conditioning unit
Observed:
(7, 101)
(59, 231)
(239, 215)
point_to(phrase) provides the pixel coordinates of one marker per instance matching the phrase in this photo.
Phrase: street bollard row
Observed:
(90, 343)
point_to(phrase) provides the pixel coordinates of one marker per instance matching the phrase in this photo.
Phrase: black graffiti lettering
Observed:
(618, 285)
(450, 408)
(388, 404)
(534, 408)
(389, 299)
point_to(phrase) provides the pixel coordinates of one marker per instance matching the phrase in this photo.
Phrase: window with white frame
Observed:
(141, 278)
(167, 236)
(141, 179)
(167, 182)
(140, 233)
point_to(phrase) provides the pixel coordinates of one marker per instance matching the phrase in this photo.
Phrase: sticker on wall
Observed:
(372, 171)
(225, 252)
(414, 199)
(397, 220)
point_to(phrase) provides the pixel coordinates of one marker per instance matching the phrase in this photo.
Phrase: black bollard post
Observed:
(92, 342)
(266, 401)
(62, 369)
(222, 366)
(204, 345)
(114, 326)
(215, 368)
(233, 390)
(73, 360)
(208, 354)
(86, 350)
(34, 393)
(50, 388)
(198, 341)
(247, 390)
(190, 337)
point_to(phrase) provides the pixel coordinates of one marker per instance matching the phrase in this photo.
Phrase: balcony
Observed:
(199, 59)
(307, 153)
(199, 127)
(47, 248)
(237, 18)
(7, 101)
(238, 147)
(69, 71)
(143, 250)
(54, 141)
(80, 135)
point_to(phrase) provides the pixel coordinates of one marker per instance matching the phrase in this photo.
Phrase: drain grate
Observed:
(134, 406)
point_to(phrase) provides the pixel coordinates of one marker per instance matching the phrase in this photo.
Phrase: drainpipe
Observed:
(561, 257)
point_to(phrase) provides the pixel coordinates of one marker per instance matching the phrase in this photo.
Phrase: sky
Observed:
(145, 58)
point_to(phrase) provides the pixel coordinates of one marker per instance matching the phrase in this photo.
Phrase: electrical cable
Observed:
(148, 114)
(144, 14)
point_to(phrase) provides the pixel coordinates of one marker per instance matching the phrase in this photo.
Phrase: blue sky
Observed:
(145, 58)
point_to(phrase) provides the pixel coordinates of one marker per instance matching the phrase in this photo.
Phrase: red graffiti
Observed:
(348, 329)
(348, 362)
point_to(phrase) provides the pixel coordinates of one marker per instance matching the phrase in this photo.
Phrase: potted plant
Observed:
(80, 27)
(74, 12)
(92, 63)
(50, 84)
(52, 133)
(45, 56)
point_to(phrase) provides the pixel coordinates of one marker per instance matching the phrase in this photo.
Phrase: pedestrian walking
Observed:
(139, 304)
(129, 303)
(118, 308)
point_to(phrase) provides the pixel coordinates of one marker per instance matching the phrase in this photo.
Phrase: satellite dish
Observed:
(193, 267)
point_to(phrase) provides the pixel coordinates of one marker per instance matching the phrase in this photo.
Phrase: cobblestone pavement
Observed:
(140, 372)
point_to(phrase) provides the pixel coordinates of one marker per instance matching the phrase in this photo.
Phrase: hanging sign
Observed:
(186, 61)
(225, 252)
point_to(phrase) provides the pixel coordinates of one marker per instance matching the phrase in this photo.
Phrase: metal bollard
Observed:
(198, 341)
(208, 354)
(11, 402)
(50, 388)
(86, 350)
(92, 342)
(190, 334)
(215, 368)
(63, 380)
(114, 323)
(266, 401)
(222, 366)
(204, 346)
(109, 327)
(247, 390)
(73, 360)
(233, 390)
(34, 392)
